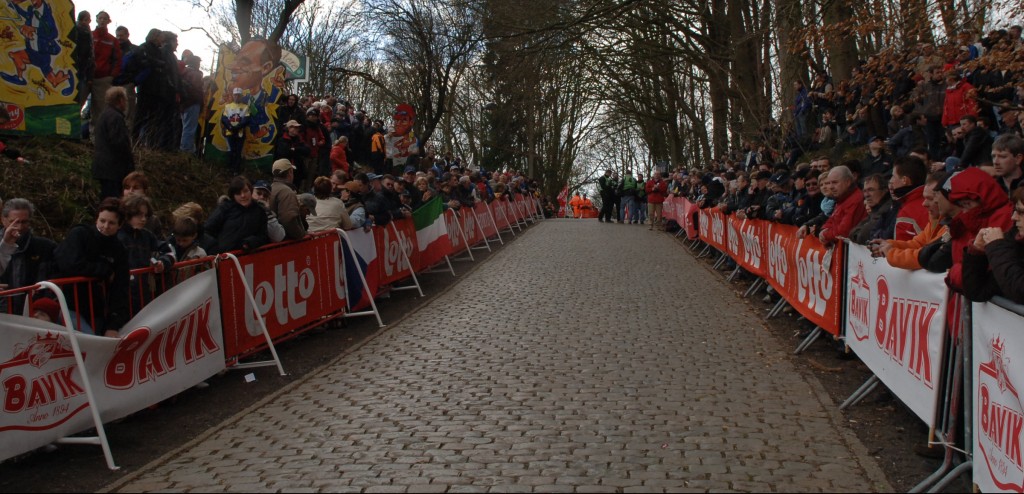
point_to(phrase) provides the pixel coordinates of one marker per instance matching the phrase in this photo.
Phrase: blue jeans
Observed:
(628, 203)
(189, 126)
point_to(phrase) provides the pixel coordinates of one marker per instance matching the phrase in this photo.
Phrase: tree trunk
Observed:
(839, 39)
(243, 18)
(789, 22)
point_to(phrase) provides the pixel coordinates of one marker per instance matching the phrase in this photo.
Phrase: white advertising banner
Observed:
(895, 323)
(998, 414)
(174, 343)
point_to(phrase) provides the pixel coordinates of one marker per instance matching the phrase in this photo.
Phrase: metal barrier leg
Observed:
(494, 222)
(721, 260)
(734, 274)
(362, 278)
(963, 468)
(704, 253)
(754, 288)
(862, 392)
(811, 338)
(480, 228)
(776, 309)
(259, 318)
(412, 272)
(501, 209)
(949, 422)
(462, 232)
(100, 439)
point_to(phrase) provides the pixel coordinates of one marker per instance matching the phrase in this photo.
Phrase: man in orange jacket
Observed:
(903, 253)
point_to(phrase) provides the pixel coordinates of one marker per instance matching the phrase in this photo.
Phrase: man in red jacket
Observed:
(849, 210)
(656, 189)
(907, 187)
(107, 54)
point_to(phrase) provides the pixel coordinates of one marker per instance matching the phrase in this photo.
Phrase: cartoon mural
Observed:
(401, 143)
(37, 75)
(257, 70)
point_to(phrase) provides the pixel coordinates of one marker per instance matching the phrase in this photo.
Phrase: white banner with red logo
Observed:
(173, 344)
(895, 323)
(998, 368)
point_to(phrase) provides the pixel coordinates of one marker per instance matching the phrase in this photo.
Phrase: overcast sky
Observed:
(139, 16)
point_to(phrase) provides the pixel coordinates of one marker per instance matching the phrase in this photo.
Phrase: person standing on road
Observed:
(656, 189)
(606, 187)
(627, 189)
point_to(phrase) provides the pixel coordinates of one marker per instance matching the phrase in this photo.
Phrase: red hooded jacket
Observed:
(913, 217)
(994, 211)
(656, 190)
(958, 104)
(849, 212)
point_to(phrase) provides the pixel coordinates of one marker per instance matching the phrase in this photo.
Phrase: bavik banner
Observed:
(807, 274)
(997, 409)
(895, 323)
(38, 78)
(173, 344)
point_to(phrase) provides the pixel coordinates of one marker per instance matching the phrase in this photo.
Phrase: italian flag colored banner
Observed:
(431, 232)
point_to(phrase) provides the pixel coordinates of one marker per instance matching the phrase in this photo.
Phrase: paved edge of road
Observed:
(117, 484)
(868, 462)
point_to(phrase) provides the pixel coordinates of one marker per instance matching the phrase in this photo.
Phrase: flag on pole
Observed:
(431, 232)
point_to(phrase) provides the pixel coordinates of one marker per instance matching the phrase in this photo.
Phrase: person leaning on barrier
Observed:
(903, 254)
(25, 259)
(239, 222)
(351, 196)
(284, 201)
(849, 210)
(143, 248)
(807, 205)
(877, 204)
(909, 174)
(973, 201)
(994, 263)
(330, 211)
(93, 251)
(261, 193)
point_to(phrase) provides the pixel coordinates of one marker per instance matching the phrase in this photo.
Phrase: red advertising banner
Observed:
(808, 275)
(712, 228)
(746, 244)
(455, 224)
(483, 217)
(391, 240)
(499, 215)
(294, 285)
(681, 210)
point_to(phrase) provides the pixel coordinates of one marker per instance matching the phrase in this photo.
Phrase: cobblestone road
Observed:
(583, 357)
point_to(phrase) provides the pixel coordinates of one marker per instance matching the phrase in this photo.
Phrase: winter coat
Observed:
(656, 191)
(142, 246)
(866, 230)
(848, 213)
(285, 204)
(912, 216)
(904, 253)
(998, 270)
(112, 157)
(957, 104)
(31, 261)
(107, 52)
(977, 148)
(88, 253)
(237, 227)
(330, 214)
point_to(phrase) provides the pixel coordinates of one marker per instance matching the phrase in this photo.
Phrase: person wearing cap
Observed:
(781, 198)
(378, 207)
(46, 309)
(292, 145)
(877, 160)
(352, 197)
(284, 201)
(261, 193)
(233, 122)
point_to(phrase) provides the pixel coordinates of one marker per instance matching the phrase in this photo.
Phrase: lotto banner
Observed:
(391, 241)
(746, 238)
(38, 78)
(501, 220)
(895, 323)
(294, 285)
(712, 228)
(454, 223)
(486, 221)
(997, 409)
(808, 275)
(174, 343)
(681, 210)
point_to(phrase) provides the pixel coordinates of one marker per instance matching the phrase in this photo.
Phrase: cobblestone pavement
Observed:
(584, 357)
